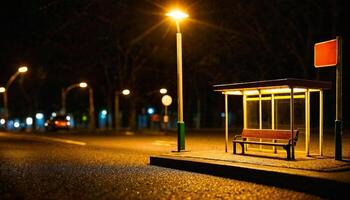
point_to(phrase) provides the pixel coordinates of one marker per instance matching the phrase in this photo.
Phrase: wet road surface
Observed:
(112, 167)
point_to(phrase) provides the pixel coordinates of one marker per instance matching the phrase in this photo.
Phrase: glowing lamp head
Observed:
(83, 85)
(163, 91)
(23, 69)
(2, 89)
(126, 92)
(177, 14)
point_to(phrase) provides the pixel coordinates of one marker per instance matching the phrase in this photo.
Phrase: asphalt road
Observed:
(68, 166)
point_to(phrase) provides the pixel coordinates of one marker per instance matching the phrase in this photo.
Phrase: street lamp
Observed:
(91, 101)
(4, 90)
(124, 92)
(178, 15)
(163, 91)
(66, 90)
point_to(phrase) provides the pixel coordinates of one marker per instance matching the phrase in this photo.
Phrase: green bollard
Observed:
(180, 136)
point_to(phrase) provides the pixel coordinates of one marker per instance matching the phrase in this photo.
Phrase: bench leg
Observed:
(234, 147)
(287, 148)
(242, 145)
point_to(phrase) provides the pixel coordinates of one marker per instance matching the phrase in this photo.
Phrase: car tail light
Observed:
(60, 123)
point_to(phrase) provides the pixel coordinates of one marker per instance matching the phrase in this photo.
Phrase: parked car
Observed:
(58, 122)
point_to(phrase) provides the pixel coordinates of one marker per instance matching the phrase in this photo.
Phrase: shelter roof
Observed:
(271, 84)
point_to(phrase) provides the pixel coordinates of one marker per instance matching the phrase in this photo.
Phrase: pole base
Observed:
(338, 140)
(180, 136)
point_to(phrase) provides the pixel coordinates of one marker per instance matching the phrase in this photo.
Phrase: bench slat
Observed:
(267, 134)
(263, 143)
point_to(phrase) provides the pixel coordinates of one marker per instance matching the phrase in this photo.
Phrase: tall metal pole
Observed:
(63, 101)
(180, 122)
(338, 117)
(116, 111)
(6, 112)
(91, 110)
(6, 108)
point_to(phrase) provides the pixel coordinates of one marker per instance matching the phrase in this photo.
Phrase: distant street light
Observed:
(23, 69)
(163, 91)
(178, 15)
(124, 92)
(91, 102)
(5, 89)
(65, 92)
(83, 85)
(2, 89)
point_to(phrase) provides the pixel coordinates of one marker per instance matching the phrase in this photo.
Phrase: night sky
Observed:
(114, 44)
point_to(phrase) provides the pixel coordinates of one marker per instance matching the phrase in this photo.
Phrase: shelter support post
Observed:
(321, 125)
(307, 122)
(292, 118)
(245, 118)
(260, 115)
(273, 117)
(226, 121)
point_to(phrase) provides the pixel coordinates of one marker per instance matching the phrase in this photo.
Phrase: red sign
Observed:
(326, 53)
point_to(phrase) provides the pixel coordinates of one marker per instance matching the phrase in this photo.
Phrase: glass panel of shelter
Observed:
(275, 114)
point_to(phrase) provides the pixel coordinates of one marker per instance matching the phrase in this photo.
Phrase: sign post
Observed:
(329, 53)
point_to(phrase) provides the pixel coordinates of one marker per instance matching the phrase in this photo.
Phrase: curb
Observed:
(318, 186)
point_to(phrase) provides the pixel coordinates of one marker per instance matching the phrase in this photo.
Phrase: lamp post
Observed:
(178, 15)
(124, 92)
(20, 70)
(2, 90)
(65, 91)
(92, 122)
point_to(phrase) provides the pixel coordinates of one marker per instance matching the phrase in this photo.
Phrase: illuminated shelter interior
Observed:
(274, 104)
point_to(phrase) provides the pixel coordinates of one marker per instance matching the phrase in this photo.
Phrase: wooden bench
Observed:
(281, 138)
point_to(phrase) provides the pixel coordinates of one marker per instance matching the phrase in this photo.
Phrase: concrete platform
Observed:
(321, 176)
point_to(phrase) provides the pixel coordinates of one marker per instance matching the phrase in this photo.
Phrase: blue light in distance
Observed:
(150, 110)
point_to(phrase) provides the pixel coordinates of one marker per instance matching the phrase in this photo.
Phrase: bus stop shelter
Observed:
(267, 97)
